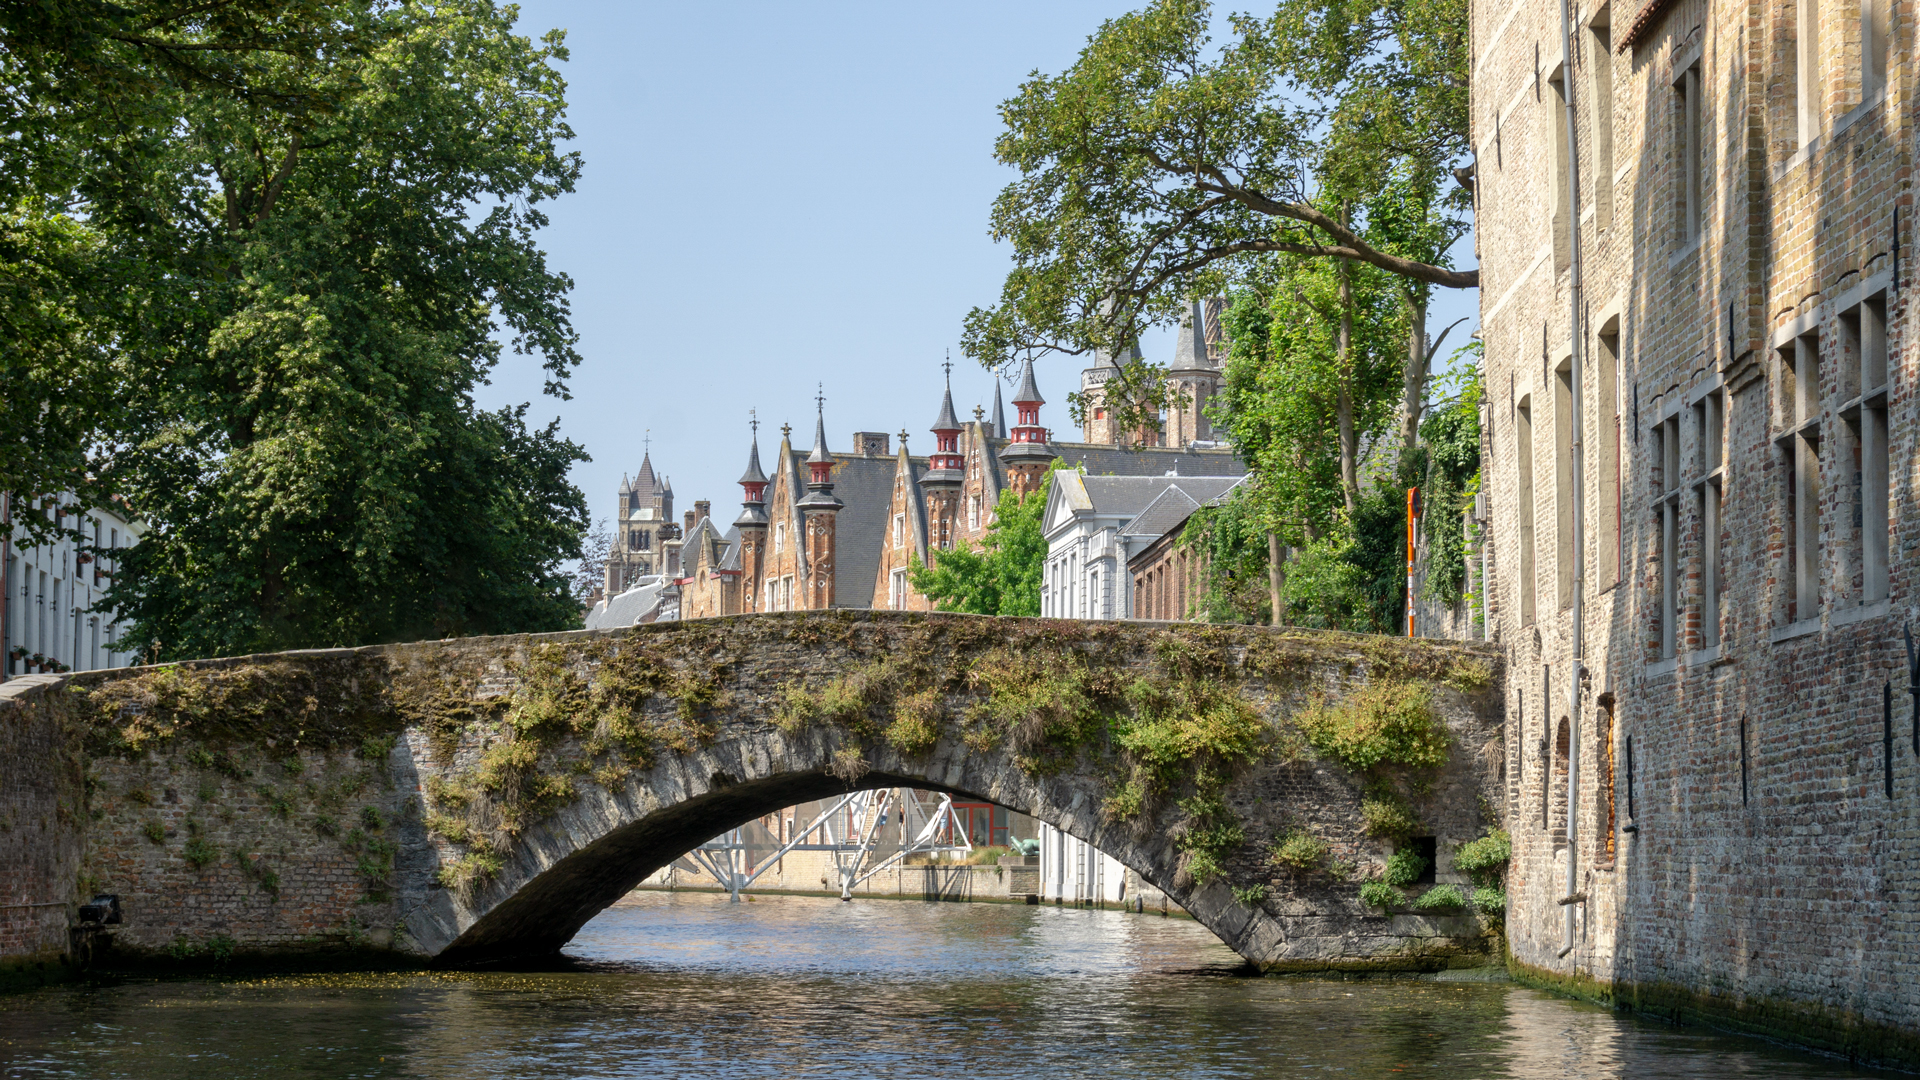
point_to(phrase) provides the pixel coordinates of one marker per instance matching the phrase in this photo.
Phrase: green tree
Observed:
(1001, 576)
(326, 285)
(1160, 167)
(94, 91)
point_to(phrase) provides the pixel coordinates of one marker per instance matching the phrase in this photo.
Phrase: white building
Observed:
(1088, 545)
(1073, 871)
(53, 618)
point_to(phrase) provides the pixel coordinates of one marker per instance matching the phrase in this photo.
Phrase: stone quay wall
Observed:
(1740, 860)
(461, 800)
(42, 803)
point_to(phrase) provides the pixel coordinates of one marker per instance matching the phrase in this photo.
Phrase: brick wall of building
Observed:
(1742, 860)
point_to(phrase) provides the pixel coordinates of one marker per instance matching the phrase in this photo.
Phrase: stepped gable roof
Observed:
(999, 427)
(631, 608)
(753, 475)
(1173, 506)
(1104, 460)
(1029, 392)
(1190, 345)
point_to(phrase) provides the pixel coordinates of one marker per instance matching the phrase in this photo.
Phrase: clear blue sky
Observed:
(779, 195)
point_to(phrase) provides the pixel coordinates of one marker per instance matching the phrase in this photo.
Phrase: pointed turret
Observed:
(820, 469)
(999, 413)
(945, 469)
(1190, 347)
(1027, 454)
(646, 480)
(753, 484)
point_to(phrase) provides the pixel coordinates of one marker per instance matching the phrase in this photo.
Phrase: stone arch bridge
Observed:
(480, 799)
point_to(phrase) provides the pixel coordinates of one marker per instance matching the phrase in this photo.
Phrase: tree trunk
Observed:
(1414, 373)
(1276, 577)
(1349, 441)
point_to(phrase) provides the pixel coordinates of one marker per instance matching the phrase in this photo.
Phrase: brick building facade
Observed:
(894, 508)
(1736, 791)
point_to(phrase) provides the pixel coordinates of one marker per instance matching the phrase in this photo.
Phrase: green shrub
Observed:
(1377, 893)
(916, 722)
(1388, 816)
(1485, 860)
(1440, 898)
(1300, 851)
(1249, 895)
(156, 832)
(1404, 867)
(198, 853)
(1490, 901)
(794, 708)
(1384, 723)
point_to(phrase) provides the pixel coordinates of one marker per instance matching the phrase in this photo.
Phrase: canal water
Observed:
(687, 985)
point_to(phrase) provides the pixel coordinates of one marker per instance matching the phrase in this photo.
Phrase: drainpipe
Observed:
(1579, 493)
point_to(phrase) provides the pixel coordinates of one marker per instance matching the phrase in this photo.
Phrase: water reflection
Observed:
(688, 985)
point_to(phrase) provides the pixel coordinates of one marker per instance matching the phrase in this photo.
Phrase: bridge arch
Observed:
(506, 790)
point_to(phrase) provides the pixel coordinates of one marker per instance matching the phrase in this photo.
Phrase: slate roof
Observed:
(1174, 505)
(1104, 460)
(630, 608)
(865, 485)
(1129, 495)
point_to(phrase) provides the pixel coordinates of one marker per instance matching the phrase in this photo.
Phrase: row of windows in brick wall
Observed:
(1829, 423)
(1848, 392)
(1843, 48)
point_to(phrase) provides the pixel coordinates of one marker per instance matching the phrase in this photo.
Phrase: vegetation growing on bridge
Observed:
(1164, 720)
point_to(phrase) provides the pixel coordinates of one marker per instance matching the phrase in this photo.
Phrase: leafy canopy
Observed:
(1160, 166)
(318, 224)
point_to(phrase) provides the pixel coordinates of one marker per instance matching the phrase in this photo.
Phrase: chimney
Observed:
(702, 510)
(872, 444)
(690, 520)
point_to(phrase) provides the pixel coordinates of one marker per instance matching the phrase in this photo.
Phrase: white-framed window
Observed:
(897, 590)
(779, 538)
(899, 530)
(973, 512)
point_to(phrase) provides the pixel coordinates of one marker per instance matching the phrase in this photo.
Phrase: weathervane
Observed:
(646, 443)
(753, 421)
(948, 368)
(820, 398)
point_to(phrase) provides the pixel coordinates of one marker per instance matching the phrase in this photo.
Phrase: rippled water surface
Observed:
(686, 985)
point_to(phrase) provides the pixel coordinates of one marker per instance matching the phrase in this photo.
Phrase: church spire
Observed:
(999, 413)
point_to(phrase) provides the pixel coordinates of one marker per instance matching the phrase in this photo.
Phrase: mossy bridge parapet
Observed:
(482, 798)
